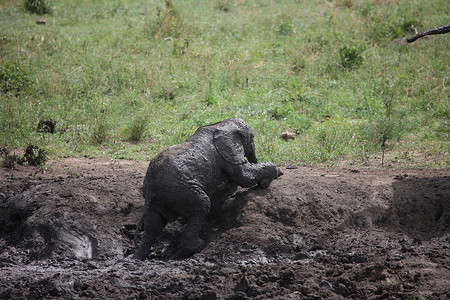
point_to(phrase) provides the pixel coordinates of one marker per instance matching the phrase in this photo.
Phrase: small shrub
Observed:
(14, 77)
(100, 132)
(280, 113)
(223, 5)
(39, 7)
(344, 3)
(10, 160)
(180, 46)
(365, 9)
(134, 132)
(285, 27)
(391, 24)
(170, 21)
(298, 64)
(327, 139)
(35, 156)
(333, 142)
(210, 99)
(376, 133)
(167, 92)
(351, 56)
(300, 123)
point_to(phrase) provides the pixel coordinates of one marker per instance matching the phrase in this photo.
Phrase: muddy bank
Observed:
(314, 234)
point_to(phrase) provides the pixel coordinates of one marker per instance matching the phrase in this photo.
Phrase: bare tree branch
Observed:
(438, 30)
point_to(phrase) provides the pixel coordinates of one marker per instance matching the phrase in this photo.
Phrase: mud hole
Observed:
(314, 234)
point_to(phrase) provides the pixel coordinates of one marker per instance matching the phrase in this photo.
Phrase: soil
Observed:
(316, 233)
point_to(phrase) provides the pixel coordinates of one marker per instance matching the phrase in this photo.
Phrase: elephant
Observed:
(184, 179)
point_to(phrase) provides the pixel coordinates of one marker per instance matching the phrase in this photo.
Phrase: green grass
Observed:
(126, 79)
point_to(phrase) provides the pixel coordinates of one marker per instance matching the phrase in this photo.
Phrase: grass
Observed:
(126, 79)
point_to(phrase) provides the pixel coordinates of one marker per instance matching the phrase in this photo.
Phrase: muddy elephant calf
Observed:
(181, 180)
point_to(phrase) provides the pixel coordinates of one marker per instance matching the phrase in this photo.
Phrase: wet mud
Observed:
(314, 234)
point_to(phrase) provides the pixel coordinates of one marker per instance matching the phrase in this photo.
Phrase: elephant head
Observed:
(234, 142)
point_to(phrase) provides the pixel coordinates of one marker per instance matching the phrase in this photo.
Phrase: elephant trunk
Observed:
(251, 156)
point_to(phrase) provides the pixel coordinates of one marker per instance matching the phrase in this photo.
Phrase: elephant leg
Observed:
(190, 238)
(153, 226)
(218, 199)
(195, 220)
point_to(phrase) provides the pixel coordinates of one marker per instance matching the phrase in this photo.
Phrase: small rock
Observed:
(242, 285)
(263, 279)
(396, 257)
(66, 194)
(91, 266)
(286, 278)
(46, 125)
(288, 134)
(246, 248)
(294, 295)
(408, 286)
(359, 258)
(326, 285)
(301, 255)
(238, 296)
(341, 289)
(407, 249)
(327, 117)
(344, 260)
(228, 270)
(417, 276)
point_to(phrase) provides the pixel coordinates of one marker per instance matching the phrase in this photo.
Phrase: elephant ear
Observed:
(227, 139)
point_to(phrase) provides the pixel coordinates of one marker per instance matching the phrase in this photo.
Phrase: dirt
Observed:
(67, 233)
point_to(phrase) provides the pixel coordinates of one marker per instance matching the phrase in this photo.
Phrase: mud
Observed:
(316, 233)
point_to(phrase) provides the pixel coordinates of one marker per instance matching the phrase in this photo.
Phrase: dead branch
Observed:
(438, 30)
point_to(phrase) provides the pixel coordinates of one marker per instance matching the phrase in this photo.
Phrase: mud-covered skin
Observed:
(181, 180)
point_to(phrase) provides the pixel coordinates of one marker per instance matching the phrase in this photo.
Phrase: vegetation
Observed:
(125, 79)
(14, 77)
(39, 7)
(33, 156)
